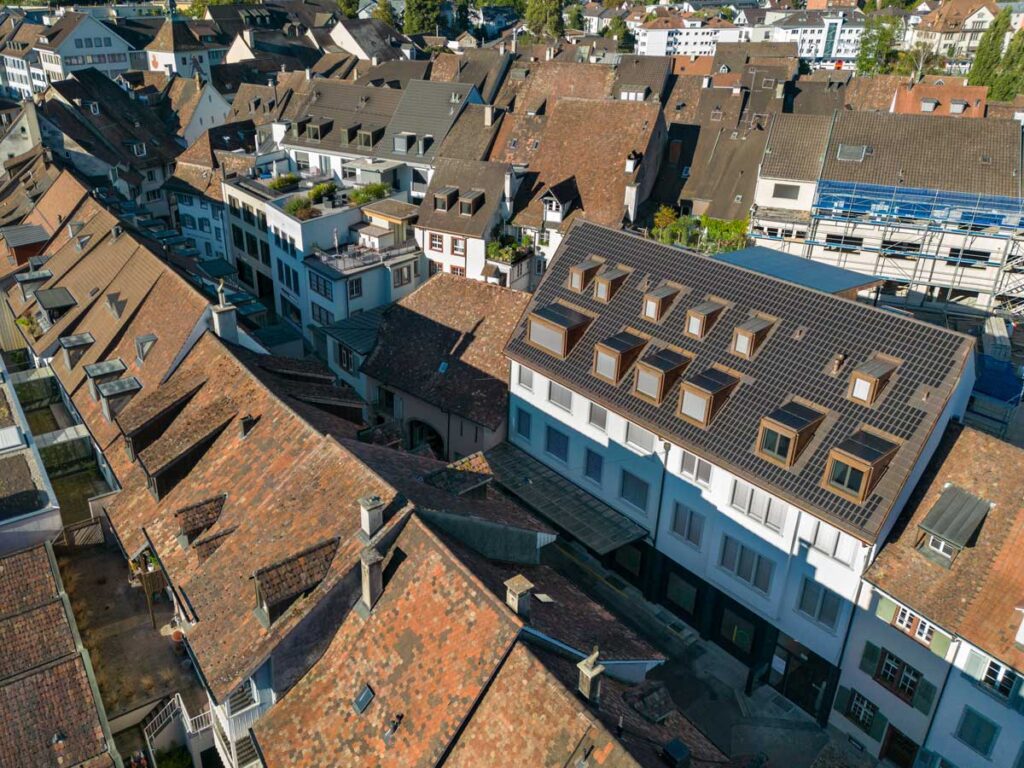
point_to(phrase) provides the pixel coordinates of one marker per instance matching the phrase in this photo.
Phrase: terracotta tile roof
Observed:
(29, 177)
(979, 594)
(295, 574)
(443, 344)
(518, 138)
(614, 129)
(951, 15)
(427, 650)
(199, 516)
(229, 147)
(188, 432)
(531, 715)
(469, 177)
(531, 83)
(58, 203)
(284, 469)
(416, 478)
(910, 98)
(175, 36)
(147, 406)
(470, 138)
(796, 147)
(45, 682)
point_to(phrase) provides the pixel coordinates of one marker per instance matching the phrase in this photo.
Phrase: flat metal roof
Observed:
(798, 270)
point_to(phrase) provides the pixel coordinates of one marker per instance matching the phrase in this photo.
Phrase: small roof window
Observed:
(556, 328)
(581, 275)
(867, 381)
(702, 396)
(658, 302)
(952, 524)
(700, 318)
(748, 336)
(613, 356)
(607, 283)
(657, 373)
(852, 153)
(856, 464)
(785, 432)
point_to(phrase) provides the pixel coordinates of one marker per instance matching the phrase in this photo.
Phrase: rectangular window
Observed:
(746, 564)
(696, 469)
(598, 416)
(546, 337)
(560, 396)
(1001, 679)
(594, 466)
(346, 359)
(688, 524)
(977, 732)
(523, 423)
(819, 603)
(436, 241)
(557, 444)
(319, 314)
(525, 378)
(638, 437)
(786, 191)
(846, 478)
(758, 505)
(831, 542)
(321, 286)
(774, 443)
(401, 276)
(695, 406)
(458, 246)
(355, 287)
(861, 711)
(634, 490)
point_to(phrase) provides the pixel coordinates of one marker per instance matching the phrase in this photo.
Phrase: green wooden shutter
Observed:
(1016, 699)
(885, 609)
(878, 726)
(869, 661)
(842, 699)
(975, 665)
(924, 696)
(940, 644)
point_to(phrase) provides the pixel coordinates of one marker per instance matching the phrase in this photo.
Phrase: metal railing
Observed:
(175, 707)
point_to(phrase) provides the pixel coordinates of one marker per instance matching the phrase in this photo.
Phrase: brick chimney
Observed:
(590, 677)
(517, 595)
(371, 567)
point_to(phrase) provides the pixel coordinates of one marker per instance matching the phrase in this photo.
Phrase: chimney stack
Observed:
(488, 115)
(371, 516)
(517, 595)
(590, 678)
(549, 53)
(371, 566)
(225, 317)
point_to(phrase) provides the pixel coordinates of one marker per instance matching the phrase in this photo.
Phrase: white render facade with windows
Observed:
(90, 44)
(901, 672)
(204, 221)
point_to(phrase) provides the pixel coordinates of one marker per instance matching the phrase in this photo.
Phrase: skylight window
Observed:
(852, 153)
(363, 699)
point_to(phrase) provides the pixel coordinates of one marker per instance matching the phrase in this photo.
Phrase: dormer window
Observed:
(555, 329)
(702, 397)
(143, 344)
(951, 524)
(958, 106)
(658, 302)
(867, 381)
(75, 346)
(748, 336)
(929, 105)
(607, 283)
(612, 357)
(139, 148)
(785, 432)
(657, 373)
(581, 275)
(470, 202)
(445, 198)
(700, 318)
(281, 584)
(856, 464)
(404, 142)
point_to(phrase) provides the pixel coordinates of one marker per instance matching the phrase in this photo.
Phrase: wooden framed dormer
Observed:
(614, 355)
(607, 284)
(748, 336)
(555, 329)
(581, 274)
(701, 318)
(657, 303)
(786, 431)
(702, 397)
(856, 464)
(868, 381)
(657, 373)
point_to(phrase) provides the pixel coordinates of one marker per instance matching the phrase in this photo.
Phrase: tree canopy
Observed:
(385, 12)
(877, 45)
(544, 16)
(990, 50)
(422, 17)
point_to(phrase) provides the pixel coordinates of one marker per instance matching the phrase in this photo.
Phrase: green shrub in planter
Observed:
(283, 182)
(320, 191)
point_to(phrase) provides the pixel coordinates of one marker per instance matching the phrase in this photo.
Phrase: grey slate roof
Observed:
(468, 176)
(346, 104)
(926, 152)
(787, 364)
(426, 109)
(358, 332)
(23, 234)
(796, 147)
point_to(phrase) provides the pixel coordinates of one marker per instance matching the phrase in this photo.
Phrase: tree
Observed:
(349, 8)
(575, 16)
(617, 30)
(544, 16)
(422, 17)
(461, 16)
(384, 12)
(664, 217)
(918, 62)
(197, 8)
(877, 45)
(1010, 80)
(990, 51)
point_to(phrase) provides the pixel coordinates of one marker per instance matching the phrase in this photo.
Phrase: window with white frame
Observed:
(820, 604)
(925, 631)
(598, 417)
(560, 396)
(696, 469)
(525, 378)
(688, 524)
(638, 437)
(941, 546)
(758, 505)
(861, 711)
(830, 541)
(1000, 678)
(746, 564)
(436, 241)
